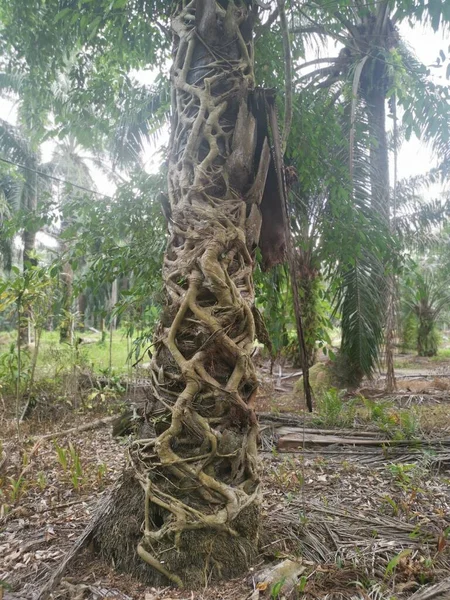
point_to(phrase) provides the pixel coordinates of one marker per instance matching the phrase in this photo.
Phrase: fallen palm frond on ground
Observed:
(367, 531)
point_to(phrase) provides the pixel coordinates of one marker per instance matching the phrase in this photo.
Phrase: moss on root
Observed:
(203, 555)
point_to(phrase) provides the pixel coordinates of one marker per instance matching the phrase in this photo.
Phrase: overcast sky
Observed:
(414, 156)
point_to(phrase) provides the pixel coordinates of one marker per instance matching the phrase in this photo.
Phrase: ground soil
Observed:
(365, 525)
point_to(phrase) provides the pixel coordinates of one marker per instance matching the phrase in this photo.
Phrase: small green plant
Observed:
(41, 481)
(377, 410)
(409, 423)
(276, 589)
(399, 425)
(76, 470)
(16, 488)
(392, 564)
(402, 472)
(62, 456)
(10, 372)
(333, 410)
(102, 469)
(70, 461)
(288, 476)
(395, 507)
(4, 585)
(302, 583)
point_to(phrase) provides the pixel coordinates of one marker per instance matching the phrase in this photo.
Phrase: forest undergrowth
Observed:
(360, 501)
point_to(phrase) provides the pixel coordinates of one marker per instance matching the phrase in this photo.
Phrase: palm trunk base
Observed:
(202, 556)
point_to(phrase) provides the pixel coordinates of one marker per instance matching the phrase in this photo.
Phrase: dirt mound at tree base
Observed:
(201, 557)
(322, 377)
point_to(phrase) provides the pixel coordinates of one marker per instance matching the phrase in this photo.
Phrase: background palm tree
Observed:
(372, 67)
(427, 296)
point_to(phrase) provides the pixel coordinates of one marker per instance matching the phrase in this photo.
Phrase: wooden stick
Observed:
(86, 427)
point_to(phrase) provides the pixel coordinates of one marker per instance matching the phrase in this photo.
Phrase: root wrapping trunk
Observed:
(187, 510)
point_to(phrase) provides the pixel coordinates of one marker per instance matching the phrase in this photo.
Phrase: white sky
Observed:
(415, 157)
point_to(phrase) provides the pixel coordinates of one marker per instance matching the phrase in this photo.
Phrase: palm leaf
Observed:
(361, 301)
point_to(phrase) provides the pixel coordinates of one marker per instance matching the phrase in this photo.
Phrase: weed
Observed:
(102, 469)
(302, 583)
(4, 585)
(392, 564)
(333, 410)
(70, 461)
(287, 475)
(76, 470)
(409, 423)
(16, 488)
(348, 467)
(41, 481)
(395, 507)
(9, 366)
(276, 589)
(407, 477)
(377, 410)
(399, 425)
(402, 472)
(62, 456)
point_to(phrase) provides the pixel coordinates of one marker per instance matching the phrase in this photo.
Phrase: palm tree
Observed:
(373, 65)
(426, 296)
(199, 473)
(16, 148)
(70, 164)
(9, 205)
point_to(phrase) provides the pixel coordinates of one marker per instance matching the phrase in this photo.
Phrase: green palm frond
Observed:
(361, 301)
(426, 105)
(11, 190)
(360, 266)
(142, 114)
(419, 222)
(425, 293)
(14, 145)
(10, 82)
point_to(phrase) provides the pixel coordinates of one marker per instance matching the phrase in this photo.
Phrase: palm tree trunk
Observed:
(379, 174)
(379, 157)
(309, 281)
(195, 476)
(427, 335)
(29, 245)
(82, 305)
(66, 326)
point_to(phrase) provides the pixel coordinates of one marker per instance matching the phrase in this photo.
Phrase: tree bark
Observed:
(426, 334)
(380, 188)
(379, 156)
(66, 325)
(29, 245)
(82, 306)
(193, 480)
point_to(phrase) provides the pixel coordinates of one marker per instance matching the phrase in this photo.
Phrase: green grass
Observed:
(54, 356)
(442, 354)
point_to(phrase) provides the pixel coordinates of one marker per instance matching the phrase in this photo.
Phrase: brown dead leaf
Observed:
(262, 586)
(442, 543)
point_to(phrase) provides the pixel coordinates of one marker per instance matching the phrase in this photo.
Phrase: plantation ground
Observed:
(362, 498)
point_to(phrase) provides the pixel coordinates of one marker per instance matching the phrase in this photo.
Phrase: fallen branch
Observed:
(296, 438)
(12, 513)
(86, 427)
